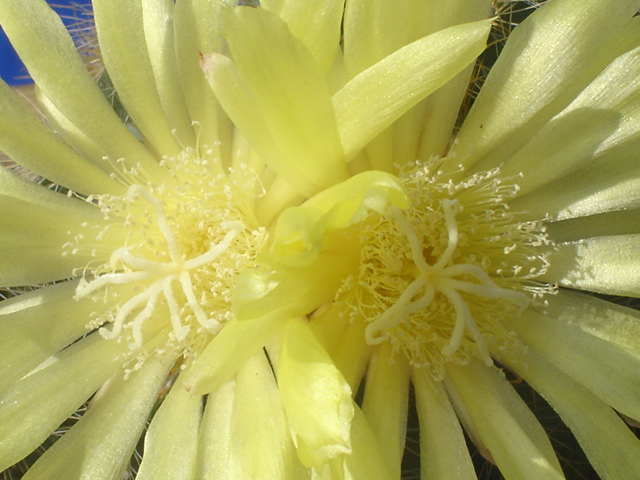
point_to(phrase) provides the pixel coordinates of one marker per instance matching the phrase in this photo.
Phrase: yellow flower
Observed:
(469, 251)
(141, 228)
(283, 217)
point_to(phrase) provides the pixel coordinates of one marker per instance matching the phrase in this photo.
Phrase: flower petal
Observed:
(512, 434)
(39, 402)
(612, 449)
(248, 438)
(50, 55)
(547, 61)
(36, 325)
(607, 264)
(30, 143)
(317, 24)
(297, 133)
(120, 25)
(568, 333)
(401, 80)
(34, 228)
(101, 443)
(443, 451)
(315, 396)
(587, 148)
(198, 30)
(386, 403)
(170, 444)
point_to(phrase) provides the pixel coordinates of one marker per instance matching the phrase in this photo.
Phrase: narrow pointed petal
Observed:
(101, 443)
(582, 141)
(34, 228)
(315, 396)
(401, 80)
(609, 264)
(569, 333)
(120, 25)
(620, 222)
(612, 449)
(316, 24)
(512, 434)
(244, 433)
(443, 451)
(386, 403)
(170, 444)
(49, 53)
(34, 406)
(198, 30)
(297, 134)
(36, 325)
(547, 61)
(30, 143)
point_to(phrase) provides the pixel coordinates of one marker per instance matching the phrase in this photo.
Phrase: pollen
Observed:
(440, 280)
(183, 244)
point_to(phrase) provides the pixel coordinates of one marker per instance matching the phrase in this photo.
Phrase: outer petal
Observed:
(123, 46)
(50, 55)
(386, 401)
(198, 29)
(244, 434)
(101, 443)
(595, 342)
(613, 450)
(548, 60)
(514, 437)
(36, 325)
(588, 148)
(38, 403)
(317, 24)
(30, 143)
(315, 396)
(170, 444)
(401, 80)
(35, 224)
(297, 136)
(608, 264)
(443, 451)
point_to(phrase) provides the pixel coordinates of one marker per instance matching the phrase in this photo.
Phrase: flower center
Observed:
(440, 280)
(186, 241)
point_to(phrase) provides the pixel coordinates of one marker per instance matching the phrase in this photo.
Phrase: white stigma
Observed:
(164, 277)
(442, 277)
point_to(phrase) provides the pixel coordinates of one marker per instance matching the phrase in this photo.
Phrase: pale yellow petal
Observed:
(512, 434)
(315, 396)
(620, 222)
(101, 443)
(120, 28)
(44, 45)
(401, 80)
(33, 407)
(244, 433)
(37, 325)
(317, 24)
(568, 334)
(287, 116)
(443, 451)
(170, 444)
(547, 61)
(34, 228)
(590, 146)
(612, 449)
(385, 403)
(30, 143)
(198, 30)
(157, 17)
(609, 264)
